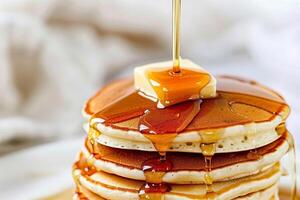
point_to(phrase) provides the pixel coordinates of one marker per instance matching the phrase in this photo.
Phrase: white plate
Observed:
(39, 171)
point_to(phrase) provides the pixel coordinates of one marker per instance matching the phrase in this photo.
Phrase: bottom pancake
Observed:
(114, 187)
(270, 193)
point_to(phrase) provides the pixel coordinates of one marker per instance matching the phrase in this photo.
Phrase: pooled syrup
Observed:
(175, 87)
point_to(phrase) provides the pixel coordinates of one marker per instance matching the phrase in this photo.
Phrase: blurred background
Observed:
(54, 54)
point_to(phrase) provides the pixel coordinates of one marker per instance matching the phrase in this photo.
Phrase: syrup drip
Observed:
(208, 151)
(176, 118)
(162, 142)
(281, 129)
(292, 157)
(78, 195)
(93, 133)
(208, 179)
(155, 168)
(86, 169)
(172, 88)
(151, 191)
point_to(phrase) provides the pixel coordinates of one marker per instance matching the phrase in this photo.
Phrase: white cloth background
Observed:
(56, 53)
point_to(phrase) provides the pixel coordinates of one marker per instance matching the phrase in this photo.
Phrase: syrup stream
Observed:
(176, 35)
(156, 176)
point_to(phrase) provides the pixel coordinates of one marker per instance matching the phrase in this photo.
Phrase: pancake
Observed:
(84, 194)
(114, 187)
(187, 168)
(244, 116)
(270, 193)
(226, 147)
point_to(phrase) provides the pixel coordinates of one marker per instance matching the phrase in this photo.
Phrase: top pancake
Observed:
(215, 112)
(242, 107)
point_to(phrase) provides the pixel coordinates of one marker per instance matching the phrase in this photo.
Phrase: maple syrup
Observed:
(126, 107)
(93, 133)
(135, 159)
(176, 35)
(79, 195)
(172, 88)
(151, 191)
(281, 129)
(177, 83)
(238, 102)
(155, 168)
(85, 168)
(293, 165)
(178, 90)
(208, 151)
(176, 119)
(162, 142)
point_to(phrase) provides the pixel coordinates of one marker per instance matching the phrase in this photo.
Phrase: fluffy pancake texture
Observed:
(270, 193)
(238, 127)
(230, 149)
(187, 167)
(115, 187)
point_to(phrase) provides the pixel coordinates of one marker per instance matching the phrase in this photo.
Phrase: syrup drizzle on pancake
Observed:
(228, 109)
(238, 102)
(175, 119)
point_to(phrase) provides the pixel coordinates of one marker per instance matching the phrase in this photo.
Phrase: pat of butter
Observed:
(159, 83)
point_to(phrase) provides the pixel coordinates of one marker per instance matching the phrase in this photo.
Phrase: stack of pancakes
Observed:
(230, 150)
